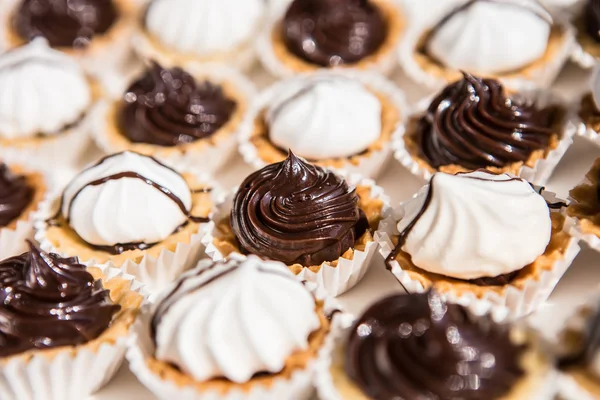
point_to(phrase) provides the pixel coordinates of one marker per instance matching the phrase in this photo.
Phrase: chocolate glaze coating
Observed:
(472, 123)
(48, 301)
(333, 32)
(592, 19)
(15, 195)
(417, 346)
(65, 23)
(296, 212)
(167, 107)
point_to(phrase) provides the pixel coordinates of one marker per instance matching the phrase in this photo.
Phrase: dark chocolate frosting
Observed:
(65, 23)
(15, 195)
(472, 123)
(48, 301)
(333, 32)
(592, 19)
(296, 212)
(167, 107)
(417, 346)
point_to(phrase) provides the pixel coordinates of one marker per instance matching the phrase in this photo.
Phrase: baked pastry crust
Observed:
(585, 205)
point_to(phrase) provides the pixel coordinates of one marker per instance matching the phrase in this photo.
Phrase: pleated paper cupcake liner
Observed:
(369, 166)
(66, 376)
(298, 387)
(518, 301)
(582, 58)
(335, 280)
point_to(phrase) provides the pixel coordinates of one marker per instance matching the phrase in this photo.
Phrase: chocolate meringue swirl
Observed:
(167, 107)
(47, 301)
(296, 212)
(592, 19)
(64, 23)
(472, 123)
(333, 32)
(15, 195)
(417, 346)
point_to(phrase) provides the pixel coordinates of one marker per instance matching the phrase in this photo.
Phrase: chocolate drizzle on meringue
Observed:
(333, 32)
(48, 301)
(167, 107)
(417, 346)
(296, 212)
(473, 124)
(592, 19)
(15, 195)
(65, 23)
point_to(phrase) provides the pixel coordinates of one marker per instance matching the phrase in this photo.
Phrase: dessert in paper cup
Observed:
(216, 334)
(587, 25)
(190, 116)
(474, 123)
(482, 240)
(529, 47)
(184, 32)
(65, 328)
(339, 119)
(586, 114)
(45, 106)
(344, 34)
(413, 346)
(154, 234)
(316, 221)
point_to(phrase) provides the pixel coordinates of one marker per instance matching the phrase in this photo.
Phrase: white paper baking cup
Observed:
(65, 377)
(369, 167)
(154, 272)
(519, 302)
(210, 158)
(334, 280)
(543, 78)
(298, 387)
(538, 174)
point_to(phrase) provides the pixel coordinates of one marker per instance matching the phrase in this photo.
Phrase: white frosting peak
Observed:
(476, 225)
(41, 91)
(234, 319)
(492, 36)
(126, 209)
(204, 27)
(324, 117)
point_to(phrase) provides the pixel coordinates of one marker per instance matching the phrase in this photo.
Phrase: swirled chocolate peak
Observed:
(418, 347)
(48, 301)
(65, 23)
(592, 19)
(15, 195)
(472, 123)
(296, 212)
(333, 32)
(167, 107)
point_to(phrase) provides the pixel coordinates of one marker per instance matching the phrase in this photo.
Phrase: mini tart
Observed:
(269, 153)
(589, 113)
(35, 180)
(396, 28)
(296, 362)
(226, 243)
(587, 43)
(64, 240)
(585, 205)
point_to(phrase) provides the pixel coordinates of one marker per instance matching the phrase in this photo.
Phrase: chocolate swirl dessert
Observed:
(167, 107)
(472, 123)
(592, 19)
(296, 212)
(417, 346)
(15, 195)
(48, 301)
(333, 32)
(64, 23)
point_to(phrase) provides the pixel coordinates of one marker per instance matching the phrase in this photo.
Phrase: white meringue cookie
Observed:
(204, 27)
(476, 225)
(41, 91)
(492, 36)
(125, 210)
(234, 319)
(320, 118)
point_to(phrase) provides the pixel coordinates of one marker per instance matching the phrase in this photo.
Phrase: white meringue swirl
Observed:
(42, 91)
(204, 27)
(476, 225)
(125, 210)
(324, 117)
(233, 320)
